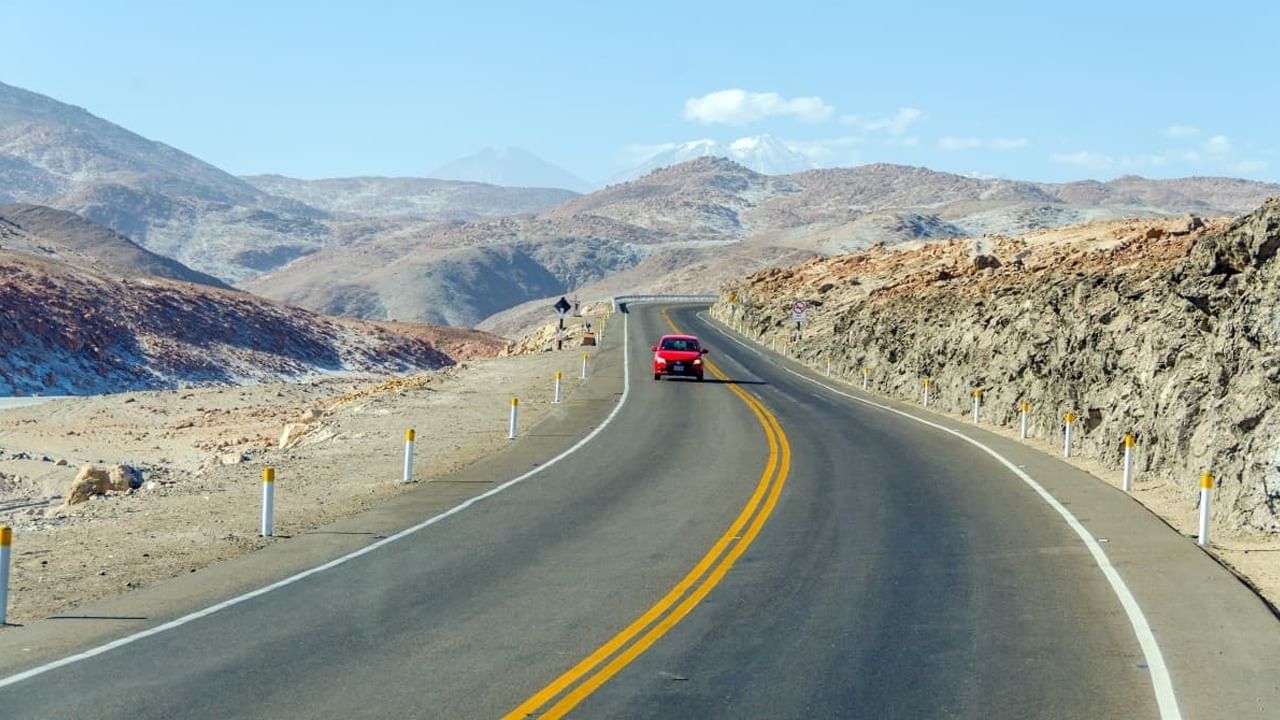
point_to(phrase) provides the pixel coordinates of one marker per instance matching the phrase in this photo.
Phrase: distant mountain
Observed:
(764, 154)
(411, 197)
(509, 166)
(61, 235)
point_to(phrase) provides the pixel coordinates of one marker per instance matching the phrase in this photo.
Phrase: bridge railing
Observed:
(621, 301)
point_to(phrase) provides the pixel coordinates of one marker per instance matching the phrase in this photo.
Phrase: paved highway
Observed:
(755, 545)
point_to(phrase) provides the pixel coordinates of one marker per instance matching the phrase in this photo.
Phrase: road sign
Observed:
(562, 306)
(798, 307)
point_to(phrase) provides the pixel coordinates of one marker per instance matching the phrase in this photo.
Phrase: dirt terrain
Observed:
(201, 453)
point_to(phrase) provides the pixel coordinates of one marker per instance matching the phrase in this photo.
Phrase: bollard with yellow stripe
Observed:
(977, 405)
(1024, 409)
(1068, 419)
(409, 436)
(1206, 489)
(6, 542)
(515, 413)
(1126, 482)
(268, 500)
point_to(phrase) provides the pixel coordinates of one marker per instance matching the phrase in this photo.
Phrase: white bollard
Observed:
(1026, 408)
(865, 372)
(1206, 485)
(268, 500)
(584, 366)
(6, 543)
(828, 367)
(555, 399)
(977, 406)
(408, 456)
(515, 412)
(1069, 419)
(926, 392)
(1127, 482)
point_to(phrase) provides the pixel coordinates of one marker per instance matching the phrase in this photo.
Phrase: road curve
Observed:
(878, 569)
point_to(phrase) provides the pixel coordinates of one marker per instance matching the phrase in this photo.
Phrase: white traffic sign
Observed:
(798, 307)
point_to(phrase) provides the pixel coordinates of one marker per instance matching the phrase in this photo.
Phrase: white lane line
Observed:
(1161, 682)
(179, 622)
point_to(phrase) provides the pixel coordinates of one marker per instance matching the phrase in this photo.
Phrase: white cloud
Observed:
(1249, 167)
(739, 107)
(1218, 145)
(1181, 131)
(896, 124)
(973, 143)
(1084, 158)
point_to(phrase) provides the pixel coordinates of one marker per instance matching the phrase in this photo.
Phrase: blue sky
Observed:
(1043, 91)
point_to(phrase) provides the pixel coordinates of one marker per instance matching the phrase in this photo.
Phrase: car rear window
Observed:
(676, 344)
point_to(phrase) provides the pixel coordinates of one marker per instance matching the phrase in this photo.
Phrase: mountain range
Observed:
(509, 166)
(764, 154)
(467, 253)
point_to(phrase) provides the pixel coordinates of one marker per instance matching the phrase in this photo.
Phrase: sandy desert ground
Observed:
(201, 452)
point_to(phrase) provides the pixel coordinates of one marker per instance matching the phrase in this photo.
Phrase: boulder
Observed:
(984, 261)
(93, 480)
(232, 458)
(124, 477)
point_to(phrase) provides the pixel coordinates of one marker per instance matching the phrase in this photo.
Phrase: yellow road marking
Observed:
(666, 611)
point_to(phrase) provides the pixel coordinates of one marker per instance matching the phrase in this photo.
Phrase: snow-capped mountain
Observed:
(762, 153)
(511, 167)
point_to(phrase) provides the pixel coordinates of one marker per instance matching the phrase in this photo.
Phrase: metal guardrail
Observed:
(622, 301)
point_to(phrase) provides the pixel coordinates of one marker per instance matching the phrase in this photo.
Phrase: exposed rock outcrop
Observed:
(1172, 335)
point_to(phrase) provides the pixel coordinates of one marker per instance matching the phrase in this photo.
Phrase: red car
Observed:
(678, 355)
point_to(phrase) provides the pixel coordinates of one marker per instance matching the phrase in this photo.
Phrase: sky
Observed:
(1038, 91)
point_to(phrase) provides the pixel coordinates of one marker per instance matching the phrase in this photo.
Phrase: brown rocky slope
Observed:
(69, 330)
(1164, 328)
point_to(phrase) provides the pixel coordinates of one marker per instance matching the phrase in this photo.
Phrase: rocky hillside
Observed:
(437, 200)
(693, 226)
(61, 235)
(68, 330)
(171, 203)
(1164, 328)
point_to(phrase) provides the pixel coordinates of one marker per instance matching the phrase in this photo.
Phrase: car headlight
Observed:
(697, 361)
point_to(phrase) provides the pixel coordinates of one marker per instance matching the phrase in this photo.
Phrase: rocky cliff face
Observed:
(1167, 329)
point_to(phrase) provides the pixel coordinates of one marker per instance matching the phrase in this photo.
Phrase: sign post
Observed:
(562, 307)
(798, 309)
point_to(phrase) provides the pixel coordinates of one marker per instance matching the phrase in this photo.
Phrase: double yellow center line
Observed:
(577, 683)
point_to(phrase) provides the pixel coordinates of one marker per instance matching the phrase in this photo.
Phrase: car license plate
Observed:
(679, 366)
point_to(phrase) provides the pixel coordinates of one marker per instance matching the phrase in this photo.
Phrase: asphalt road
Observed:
(754, 548)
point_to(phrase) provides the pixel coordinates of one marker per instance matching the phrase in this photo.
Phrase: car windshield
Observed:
(680, 344)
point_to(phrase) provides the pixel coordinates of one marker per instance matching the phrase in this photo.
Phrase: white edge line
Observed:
(1161, 682)
(179, 622)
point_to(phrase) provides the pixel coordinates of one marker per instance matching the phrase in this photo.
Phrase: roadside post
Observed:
(926, 392)
(977, 406)
(6, 543)
(555, 400)
(1127, 483)
(408, 456)
(268, 500)
(865, 372)
(1206, 487)
(1025, 408)
(584, 366)
(828, 367)
(1068, 420)
(515, 413)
